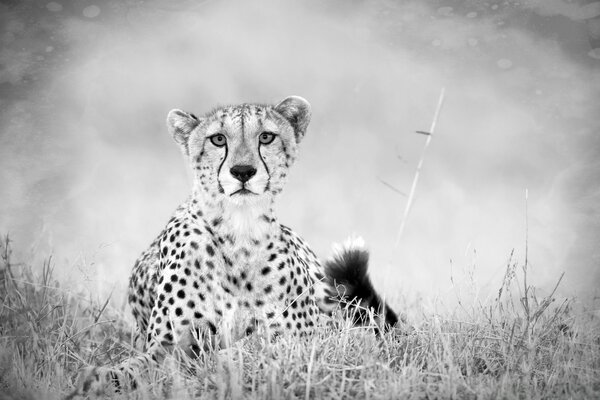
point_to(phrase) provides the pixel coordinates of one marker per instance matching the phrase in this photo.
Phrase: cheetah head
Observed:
(241, 154)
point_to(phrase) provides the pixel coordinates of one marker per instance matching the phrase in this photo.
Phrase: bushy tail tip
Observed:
(347, 273)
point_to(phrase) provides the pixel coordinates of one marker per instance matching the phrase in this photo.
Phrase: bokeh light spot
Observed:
(54, 6)
(91, 11)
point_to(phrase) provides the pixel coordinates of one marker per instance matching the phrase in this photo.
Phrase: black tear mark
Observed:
(265, 164)
(221, 190)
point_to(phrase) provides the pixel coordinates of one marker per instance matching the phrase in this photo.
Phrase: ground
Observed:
(504, 348)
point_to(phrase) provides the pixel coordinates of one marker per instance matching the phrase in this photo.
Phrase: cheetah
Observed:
(224, 265)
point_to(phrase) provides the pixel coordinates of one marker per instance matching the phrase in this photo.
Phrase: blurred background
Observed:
(89, 174)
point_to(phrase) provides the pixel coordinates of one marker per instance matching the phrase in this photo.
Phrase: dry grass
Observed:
(517, 346)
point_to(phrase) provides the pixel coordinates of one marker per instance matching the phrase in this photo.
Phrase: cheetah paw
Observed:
(95, 381)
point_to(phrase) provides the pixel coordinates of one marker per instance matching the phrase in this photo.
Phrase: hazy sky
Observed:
(89, 173)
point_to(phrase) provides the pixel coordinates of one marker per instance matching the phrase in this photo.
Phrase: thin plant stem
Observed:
(420, 166)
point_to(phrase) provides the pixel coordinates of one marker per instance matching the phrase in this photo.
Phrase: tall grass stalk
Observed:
(413, 187)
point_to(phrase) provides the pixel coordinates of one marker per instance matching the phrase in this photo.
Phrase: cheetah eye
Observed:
(266, 137)
(218, 140)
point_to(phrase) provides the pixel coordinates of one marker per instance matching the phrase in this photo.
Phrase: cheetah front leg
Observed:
(105, 379)
(163, 336)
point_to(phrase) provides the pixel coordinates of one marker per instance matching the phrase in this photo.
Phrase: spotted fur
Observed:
(224, 266)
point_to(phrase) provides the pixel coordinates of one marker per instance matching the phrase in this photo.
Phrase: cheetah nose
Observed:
(243, 173)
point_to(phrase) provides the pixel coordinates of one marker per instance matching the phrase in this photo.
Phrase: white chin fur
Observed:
(243, 215)
(244, 200)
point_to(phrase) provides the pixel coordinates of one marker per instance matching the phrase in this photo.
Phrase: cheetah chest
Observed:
(261, 284)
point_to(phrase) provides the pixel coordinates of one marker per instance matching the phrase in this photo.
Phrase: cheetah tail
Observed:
(347, 274)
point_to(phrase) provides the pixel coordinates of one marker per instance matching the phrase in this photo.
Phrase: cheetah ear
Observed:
(180, 125)
(296, 111)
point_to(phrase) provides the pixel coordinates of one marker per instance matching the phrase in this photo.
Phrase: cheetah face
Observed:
(241, 154)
